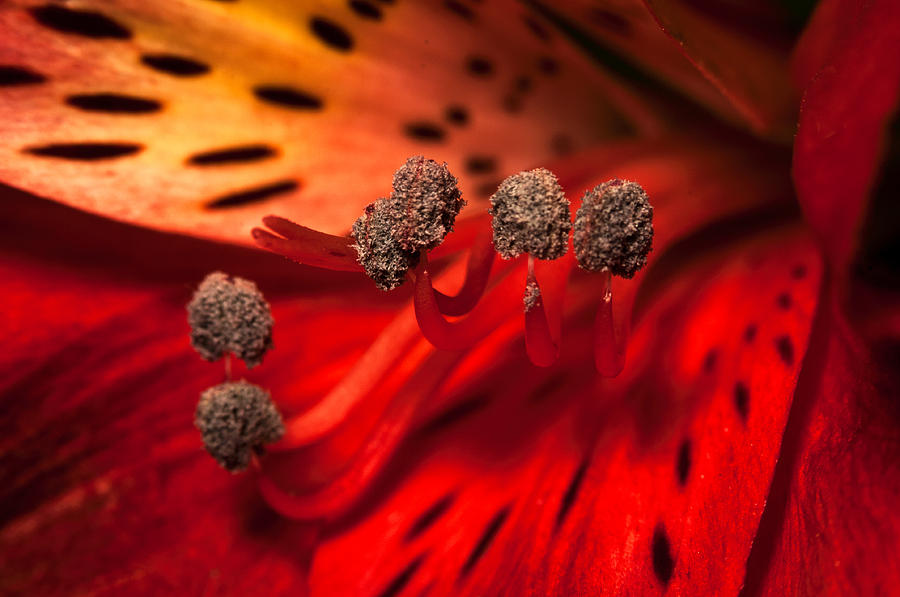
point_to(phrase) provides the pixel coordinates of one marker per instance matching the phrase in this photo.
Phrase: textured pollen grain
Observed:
(234, 419)
(531, 215)
(614, 228)
(230, 315)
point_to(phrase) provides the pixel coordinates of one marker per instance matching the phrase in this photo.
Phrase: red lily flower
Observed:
(748, 446)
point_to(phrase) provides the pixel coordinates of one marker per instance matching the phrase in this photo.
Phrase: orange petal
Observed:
(201, 117)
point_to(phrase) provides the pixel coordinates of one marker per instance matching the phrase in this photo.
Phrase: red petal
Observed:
(847, 109)
(831, 524)
(105, 486)
(567, 485)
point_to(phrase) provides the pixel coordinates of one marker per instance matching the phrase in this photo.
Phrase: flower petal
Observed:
(105, 485)
(729, 58)
(202, 117)
(562, 484)
(832, 507)
(848, 57)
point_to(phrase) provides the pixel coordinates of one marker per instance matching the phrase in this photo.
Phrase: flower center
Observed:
(530, 229)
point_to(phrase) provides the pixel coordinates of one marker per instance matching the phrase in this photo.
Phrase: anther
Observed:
(420, 212)
(425, 201)
(383, 258)
(531, 215)
(230, 315)
(235, 419)
(614, 228)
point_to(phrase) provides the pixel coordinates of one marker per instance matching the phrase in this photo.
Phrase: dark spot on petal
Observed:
(512, 103)
(172, 64)
(366, 9)
(479, 66)
(750, 333)
(425, 131)
(683, 465)
(610, 21)
(402, 579)
(480, 164)
(454, 414)
(785, 348)
(79, 22)
(535, 27)
(86, 152)
(561, 144)
(331, 34)
(798, 272)
(457, 115)
(287, 97)
(254, 195)
(230, 155)
(742, 400)
(568, 499)
(113, 103)
(430, 516)
(548, 65)
(523, 84)
(709, 361)
(17, 75)
(387, 1)
(663, 565)
(784, 301)
(487, 536)
(460, 9)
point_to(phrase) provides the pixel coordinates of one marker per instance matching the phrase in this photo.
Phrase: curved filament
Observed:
(307, 246)
(466, 332)
(609, 347)
(393, 344)
(342, 493)
(478, 270)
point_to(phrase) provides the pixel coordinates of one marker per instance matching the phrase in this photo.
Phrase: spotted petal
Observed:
(201, 116)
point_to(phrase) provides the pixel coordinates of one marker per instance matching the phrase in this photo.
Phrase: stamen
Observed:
(307, 246)
(539, 343)
(609, 346)
(468, 331)
(614, 228)
(426, 200)
(531, 215)
(478, 270)
(417, 216)
(391, 345)
(235, 420)
(381, 255)
(342, 493)
(230, 315)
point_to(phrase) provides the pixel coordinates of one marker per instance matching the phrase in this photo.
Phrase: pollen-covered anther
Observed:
(614, 228)
(420, 212)
(425, 202)
(234, 419)
(531, 215)
(230, 315)
(383, 258)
